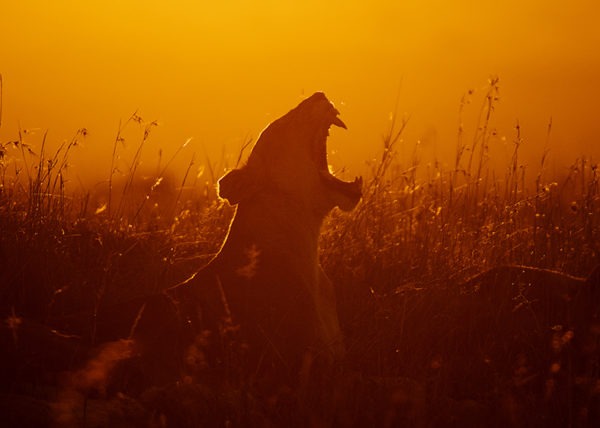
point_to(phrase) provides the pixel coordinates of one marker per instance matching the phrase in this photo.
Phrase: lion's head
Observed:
(290, 160)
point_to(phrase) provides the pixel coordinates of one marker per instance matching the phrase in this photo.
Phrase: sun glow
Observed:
(220, 72)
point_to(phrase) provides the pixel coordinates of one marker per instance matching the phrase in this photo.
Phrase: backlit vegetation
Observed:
(416, 354)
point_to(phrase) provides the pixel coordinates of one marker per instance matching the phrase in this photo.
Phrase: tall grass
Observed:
(420, 230)
(417, 222)
(423, 222)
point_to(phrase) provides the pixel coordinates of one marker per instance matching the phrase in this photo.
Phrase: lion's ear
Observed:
(237, 185)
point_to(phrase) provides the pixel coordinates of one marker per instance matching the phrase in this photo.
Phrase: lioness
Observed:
(266, 278)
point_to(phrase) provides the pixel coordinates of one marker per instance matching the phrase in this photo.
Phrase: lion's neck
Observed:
(277, 232)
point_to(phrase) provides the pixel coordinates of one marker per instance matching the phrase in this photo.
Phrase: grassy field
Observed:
(424, 347)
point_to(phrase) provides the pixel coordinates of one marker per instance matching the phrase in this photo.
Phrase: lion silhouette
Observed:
(266, 285)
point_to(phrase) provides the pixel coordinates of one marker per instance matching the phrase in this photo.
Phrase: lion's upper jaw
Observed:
(307, 129)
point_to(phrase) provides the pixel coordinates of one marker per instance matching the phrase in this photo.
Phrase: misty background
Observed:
(219, 72)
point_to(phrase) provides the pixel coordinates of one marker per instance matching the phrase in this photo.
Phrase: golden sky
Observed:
(220, 71)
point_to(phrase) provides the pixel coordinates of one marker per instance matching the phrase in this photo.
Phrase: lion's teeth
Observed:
(338, 122)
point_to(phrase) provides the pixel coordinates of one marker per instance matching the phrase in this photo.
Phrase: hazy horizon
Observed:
(219, 73)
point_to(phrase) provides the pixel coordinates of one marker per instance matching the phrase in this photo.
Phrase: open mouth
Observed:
(352, 189)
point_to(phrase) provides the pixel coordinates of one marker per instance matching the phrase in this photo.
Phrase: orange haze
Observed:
(220, 71)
